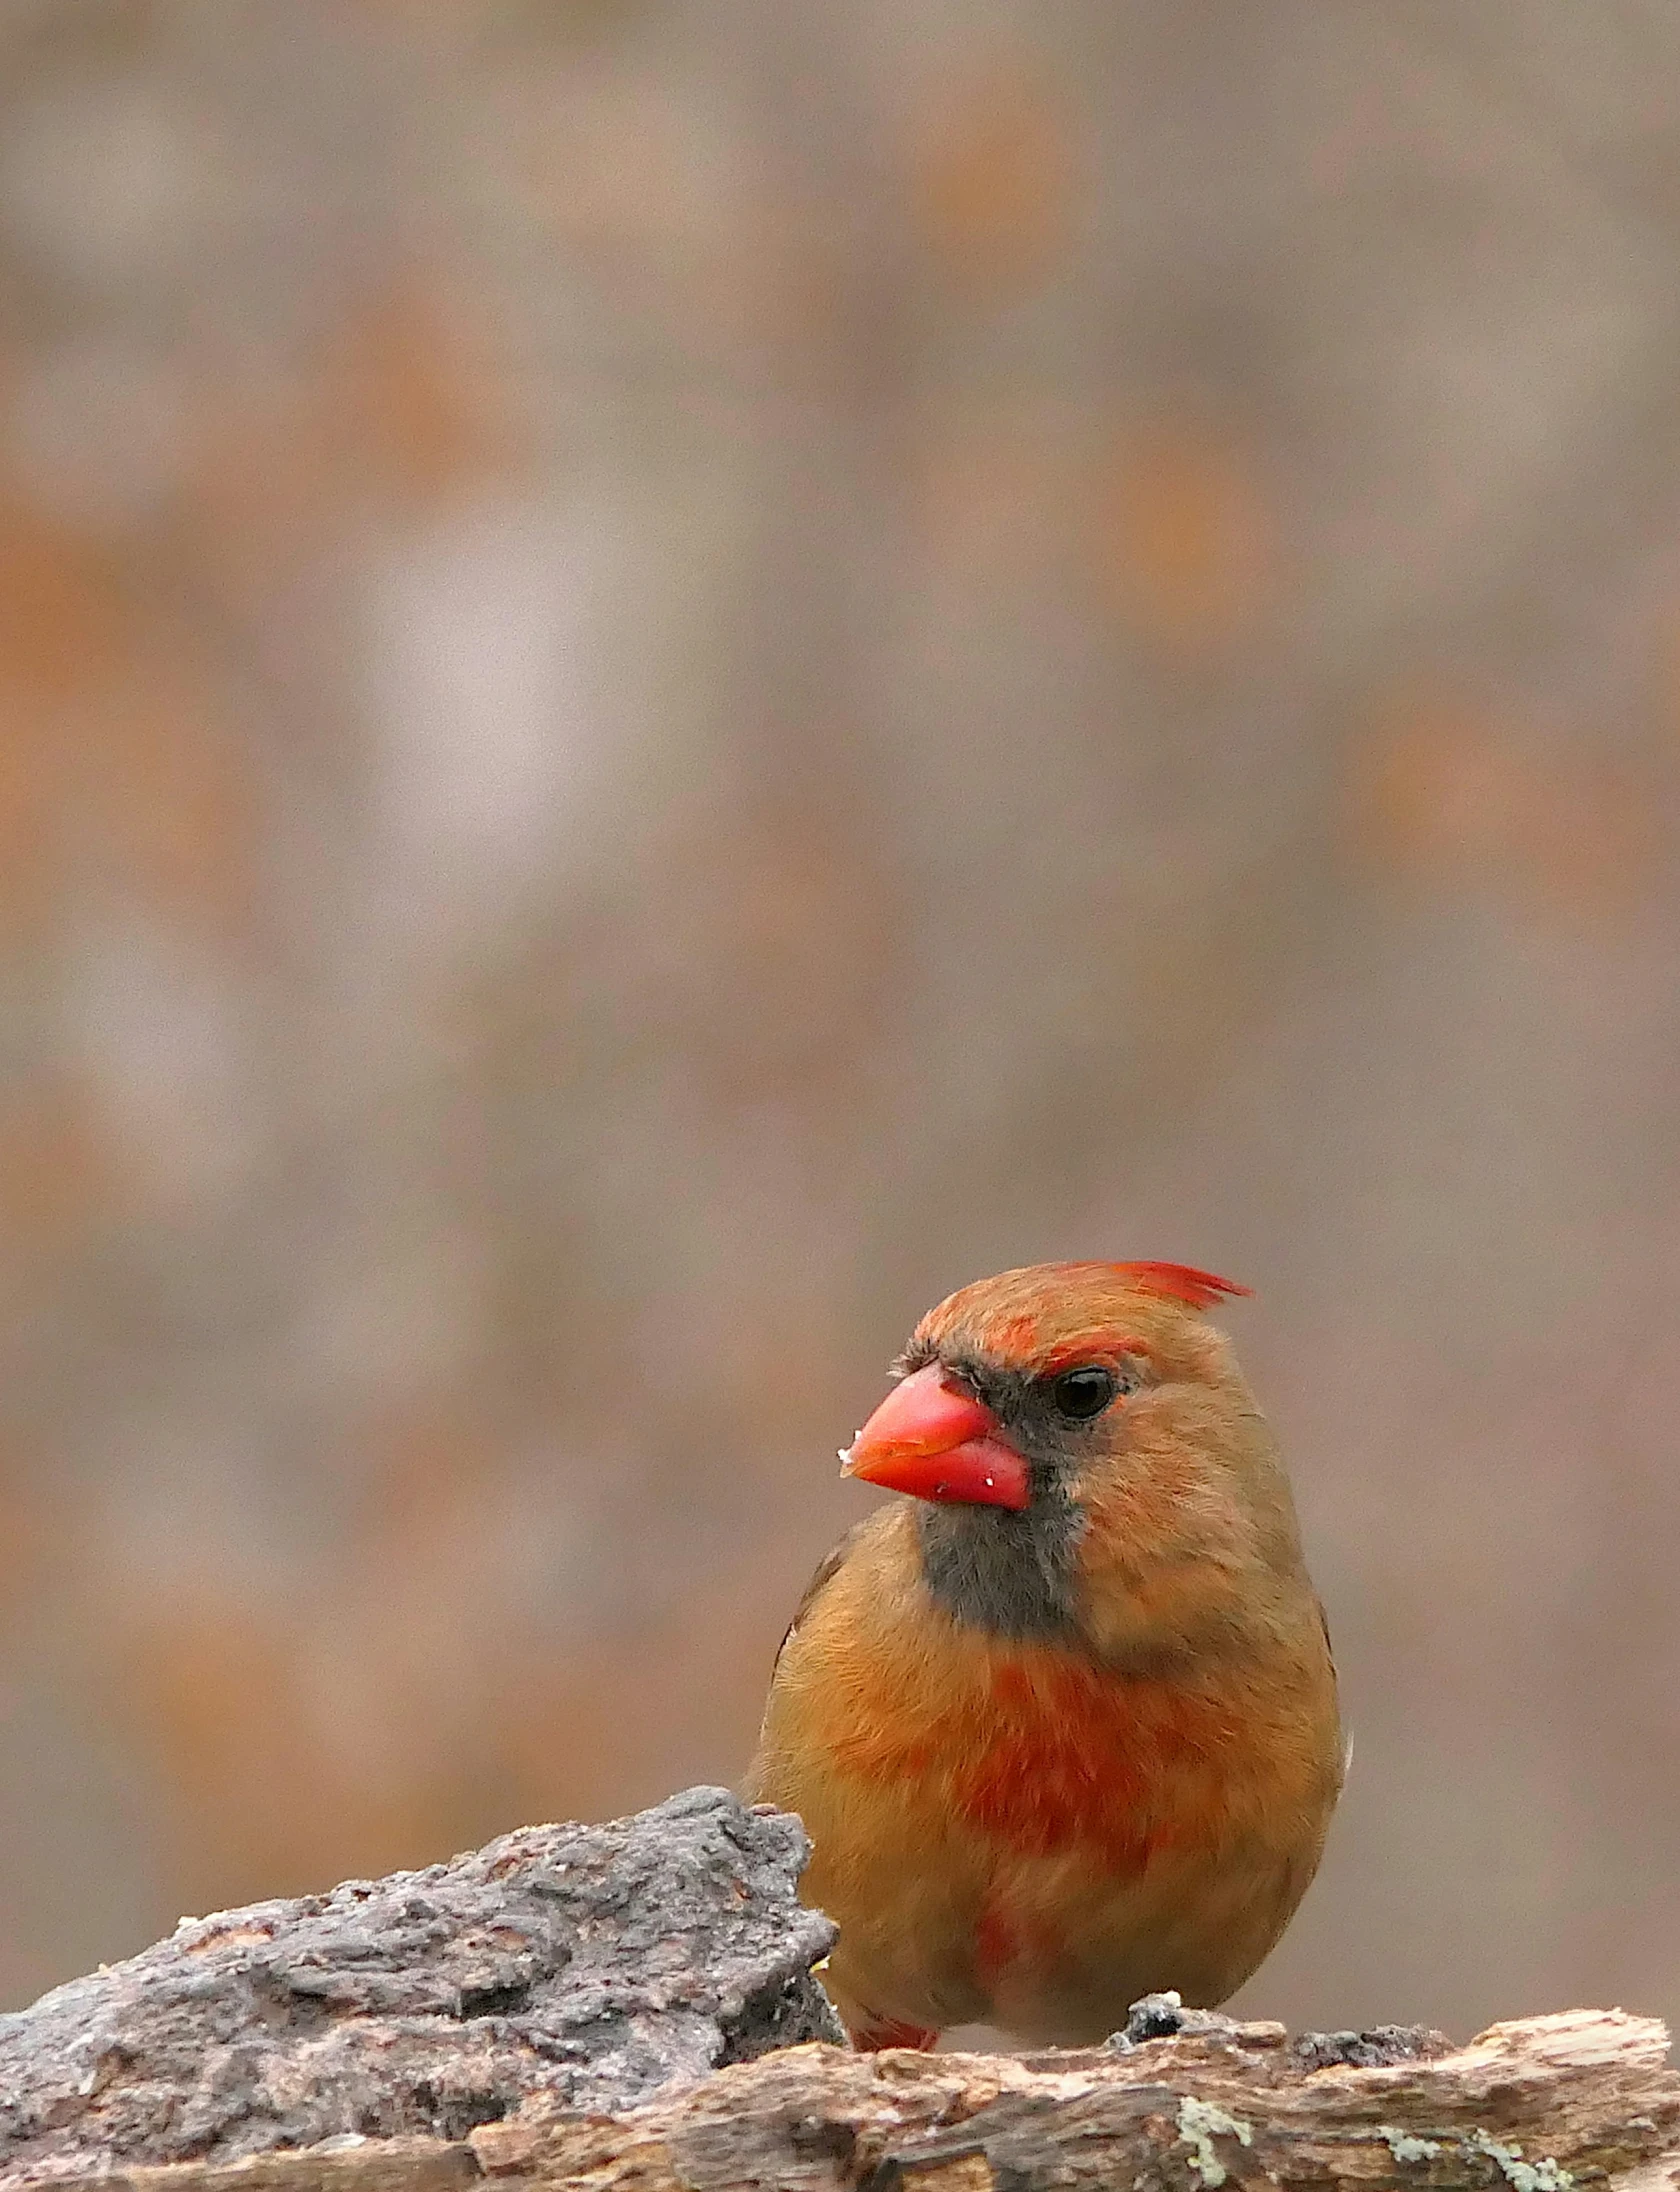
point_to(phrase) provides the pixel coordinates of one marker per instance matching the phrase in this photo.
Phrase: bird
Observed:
(1062, 1724)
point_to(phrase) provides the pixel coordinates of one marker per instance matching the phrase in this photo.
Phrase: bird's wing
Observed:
(1347, 1746)
(833, 1561)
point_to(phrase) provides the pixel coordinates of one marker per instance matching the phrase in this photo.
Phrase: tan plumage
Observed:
(1064, 1741)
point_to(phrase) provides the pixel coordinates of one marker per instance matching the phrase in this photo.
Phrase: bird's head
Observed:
(1043, 1405)
(1011, 1388)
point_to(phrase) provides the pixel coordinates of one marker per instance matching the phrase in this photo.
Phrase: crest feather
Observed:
(1179, 1282)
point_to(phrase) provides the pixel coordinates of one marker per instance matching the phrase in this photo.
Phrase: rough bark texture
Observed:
(592, 2007)
(591, 1965)
(1551, 2104)
(1540, 2106)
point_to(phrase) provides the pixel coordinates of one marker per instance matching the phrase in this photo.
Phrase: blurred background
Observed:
(674, 674)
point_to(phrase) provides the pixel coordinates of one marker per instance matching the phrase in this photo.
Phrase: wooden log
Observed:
(1548, 2104)
(611, 2009)
(1542, 2105)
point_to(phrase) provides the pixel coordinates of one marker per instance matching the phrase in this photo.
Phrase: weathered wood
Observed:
(589, 1964)
(1534, 2107)
(615, 2009)
(1549, 2104)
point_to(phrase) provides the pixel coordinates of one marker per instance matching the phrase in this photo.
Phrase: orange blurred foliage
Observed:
(406, 408)
(58, 1173)
(169, 793)
(995, 184)
(66, 616)
(1451, 796)
(31, 760)
(1184, 545)
(214, 1689)
(108, 739)
(395, 412)
(67, 627)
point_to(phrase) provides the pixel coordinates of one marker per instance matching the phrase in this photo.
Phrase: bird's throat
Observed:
(1009, 1573)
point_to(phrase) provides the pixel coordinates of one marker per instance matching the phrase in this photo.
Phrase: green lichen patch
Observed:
(1545, 2175)
(1406, 2146)
(1199, 2124)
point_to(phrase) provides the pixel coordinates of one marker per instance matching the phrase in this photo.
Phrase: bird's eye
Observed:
(1084, 1393)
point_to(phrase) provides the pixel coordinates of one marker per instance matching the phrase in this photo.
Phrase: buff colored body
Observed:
(1034, 1830)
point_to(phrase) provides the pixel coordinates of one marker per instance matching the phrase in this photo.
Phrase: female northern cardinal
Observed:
(1063, 1729)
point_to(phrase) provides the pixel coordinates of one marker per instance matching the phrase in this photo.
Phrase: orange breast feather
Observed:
(1049, 1752)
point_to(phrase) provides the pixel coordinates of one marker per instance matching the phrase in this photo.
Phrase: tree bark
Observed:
(591, 1965)
(1549, 2104)
(1541, 2106)
(612, 2009)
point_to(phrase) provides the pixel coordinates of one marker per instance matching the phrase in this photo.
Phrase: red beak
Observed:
(938, 1442)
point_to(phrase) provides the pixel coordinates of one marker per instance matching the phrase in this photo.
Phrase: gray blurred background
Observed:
(676, 672)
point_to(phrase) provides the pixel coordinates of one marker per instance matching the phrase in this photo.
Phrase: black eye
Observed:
(1084, 1393)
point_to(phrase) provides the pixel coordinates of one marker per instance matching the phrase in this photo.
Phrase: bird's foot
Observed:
(883, 2032)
